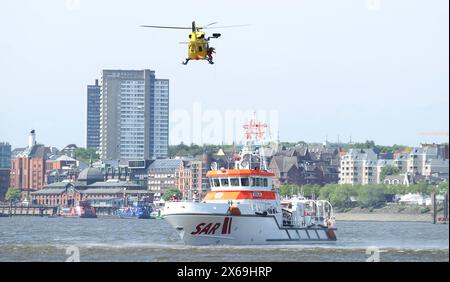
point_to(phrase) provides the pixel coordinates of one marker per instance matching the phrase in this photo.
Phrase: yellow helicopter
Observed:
(199, 48)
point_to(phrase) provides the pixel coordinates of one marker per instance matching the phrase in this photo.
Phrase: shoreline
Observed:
(383, 217)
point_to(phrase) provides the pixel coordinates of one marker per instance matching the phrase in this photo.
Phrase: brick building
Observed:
(91, 187)
(28, 167)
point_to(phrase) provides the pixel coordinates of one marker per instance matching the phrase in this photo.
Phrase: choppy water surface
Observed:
(48, 239)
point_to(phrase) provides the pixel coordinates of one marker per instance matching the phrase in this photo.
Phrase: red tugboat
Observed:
(82, 210)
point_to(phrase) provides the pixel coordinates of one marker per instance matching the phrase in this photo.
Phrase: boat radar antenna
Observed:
(254, 139)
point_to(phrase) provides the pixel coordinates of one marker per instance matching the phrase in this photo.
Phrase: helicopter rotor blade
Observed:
(226, 26)
(210, 24)
(166, 27)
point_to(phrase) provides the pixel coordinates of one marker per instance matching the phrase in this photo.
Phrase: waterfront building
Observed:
(4, 182)
(28, 166)
(384, 163)
(436, 167)
(426, 160)
(169, 173)
(199, 167)
(286, 170)
(59, 168)
(358, 166)
(105, 196)
(5, 168)
(69, 150)
(134, 115)
(5, 155)
(315, 164)
(401, 161)
(93, 116)
(159, 120)
(400, 179)
(133, 171)
(196, 173)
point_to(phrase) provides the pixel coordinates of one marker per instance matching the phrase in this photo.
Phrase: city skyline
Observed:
(342, 69)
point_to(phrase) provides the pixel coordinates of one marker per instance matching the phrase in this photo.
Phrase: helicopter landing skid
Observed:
(186, 62)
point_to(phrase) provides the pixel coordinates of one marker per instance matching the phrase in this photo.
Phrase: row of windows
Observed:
(239, 182)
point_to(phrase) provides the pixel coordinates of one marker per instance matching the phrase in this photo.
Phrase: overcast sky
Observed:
(374, 70)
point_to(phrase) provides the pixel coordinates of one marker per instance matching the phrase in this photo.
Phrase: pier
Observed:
(7, 211)
(434, 212)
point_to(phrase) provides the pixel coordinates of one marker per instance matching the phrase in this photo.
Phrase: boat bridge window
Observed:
(234, 182)
(245, 182)
(216, 182)
(256, 182)
(260, 182)
(224, 182)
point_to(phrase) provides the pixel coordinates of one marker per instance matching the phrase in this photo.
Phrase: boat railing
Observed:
(309, 212)
(261, 208)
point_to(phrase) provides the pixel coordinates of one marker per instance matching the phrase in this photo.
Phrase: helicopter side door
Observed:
(197, 46)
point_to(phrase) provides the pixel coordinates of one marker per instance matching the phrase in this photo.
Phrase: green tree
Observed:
(370, 144)
(170, 192)
(442, 188)
(310, 190)
(396, 189)
(371, 196)
(341, 196)
(183, 150)
(388, 170)
(421, 187)
(326, 191)
(289, 189)
(13, 194)
(86, 155)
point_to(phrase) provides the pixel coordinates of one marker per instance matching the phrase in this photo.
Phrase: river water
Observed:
(62, 239)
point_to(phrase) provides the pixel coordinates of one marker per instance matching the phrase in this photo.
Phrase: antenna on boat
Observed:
(254, 136)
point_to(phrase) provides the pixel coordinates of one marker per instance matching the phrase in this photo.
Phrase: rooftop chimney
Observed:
(32, 138)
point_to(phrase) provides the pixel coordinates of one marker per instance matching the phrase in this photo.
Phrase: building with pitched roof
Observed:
(106, 196)
(28, 166)
(286, 170)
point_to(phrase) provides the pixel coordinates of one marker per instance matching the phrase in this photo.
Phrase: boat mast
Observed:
(253, 147)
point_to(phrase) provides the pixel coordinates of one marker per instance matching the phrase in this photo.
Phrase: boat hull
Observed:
(223, 229)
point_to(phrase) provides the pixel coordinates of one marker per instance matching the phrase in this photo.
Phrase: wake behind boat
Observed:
(243, 208)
